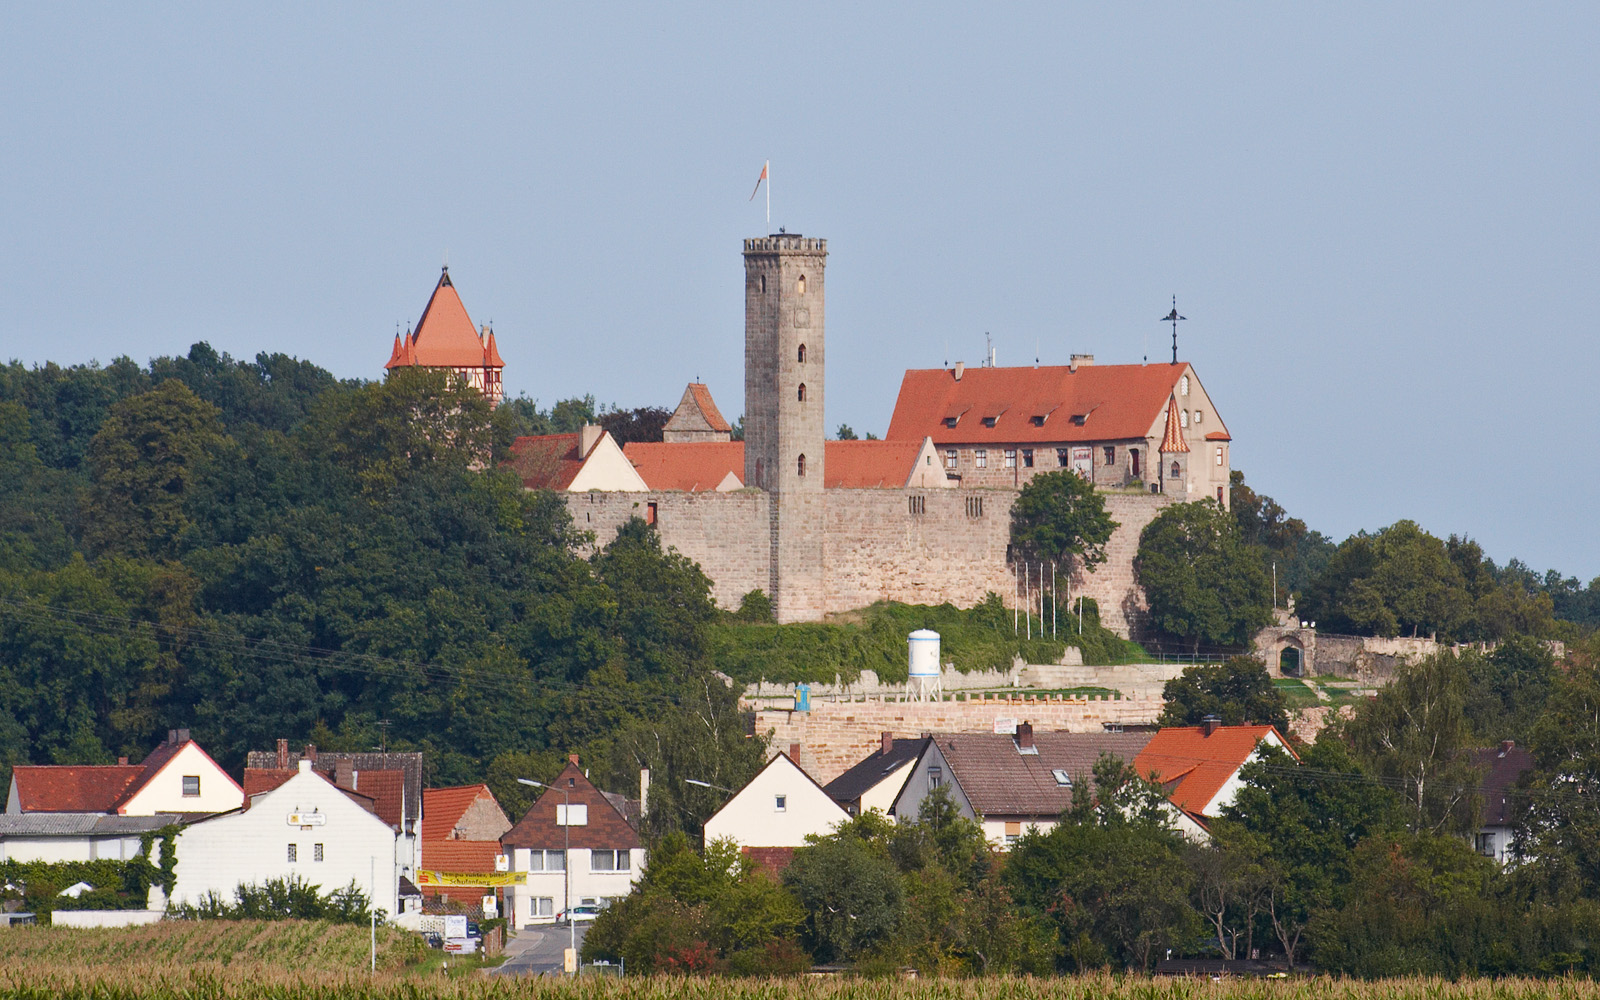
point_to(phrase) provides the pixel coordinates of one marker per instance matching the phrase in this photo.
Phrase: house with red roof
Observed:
(774, 813)
(445, 338)
(1198, 766)
(461, 831)
(587, 460)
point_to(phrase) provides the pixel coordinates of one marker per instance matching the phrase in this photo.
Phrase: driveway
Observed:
(537, 951)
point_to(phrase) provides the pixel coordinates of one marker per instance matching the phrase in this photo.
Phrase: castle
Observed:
(921, 517)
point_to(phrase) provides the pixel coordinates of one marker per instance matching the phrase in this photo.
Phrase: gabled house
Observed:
(1198, 766)
(587, 460)
(461, 831)
(774, 813)
(876, 782)
(303, 826)
(1011, 783)
(1503, 805)
(177, 777)
(575, 846)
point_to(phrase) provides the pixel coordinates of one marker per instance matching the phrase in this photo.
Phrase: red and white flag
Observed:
(760, 179)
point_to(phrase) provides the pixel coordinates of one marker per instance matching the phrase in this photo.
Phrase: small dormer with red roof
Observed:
(445, 338)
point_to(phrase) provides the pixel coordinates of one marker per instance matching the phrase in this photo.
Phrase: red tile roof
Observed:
(264, 779)
(387, 790)
(1173, 443)
(999, 780)
(259, 780)
(1196, 766)
(606, 828)
(442, 809)
(74, 789)
(1219, 436)
(445, 336)
(460, 855)
(856, 465)
(1117, 402)
(687, 465)
(546, 462)
(708, 409)
(772, 860)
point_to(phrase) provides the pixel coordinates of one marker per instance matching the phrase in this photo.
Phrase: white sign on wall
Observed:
(1005, 726)
(307, 819)
(576, 814)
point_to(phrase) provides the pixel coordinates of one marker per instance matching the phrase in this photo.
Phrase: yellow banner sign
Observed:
(484, 879)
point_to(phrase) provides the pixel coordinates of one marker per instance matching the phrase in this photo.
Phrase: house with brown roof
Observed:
(876, 782)
(576, 848)
(1198, 766)
(446, 339)
(1011, 783)
(1504, 803)
(775, 812)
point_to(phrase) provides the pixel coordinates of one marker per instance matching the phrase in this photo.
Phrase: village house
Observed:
(574, 846)
(461, 831)
(774, 813)
(876, 782)
(1503, 803)
(1198, 766)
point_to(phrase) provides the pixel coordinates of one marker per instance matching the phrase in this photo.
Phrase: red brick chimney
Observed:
(572, 758)
(1209, 725)
(122, 762)
(888, 742)
(283, 755)
(1506, 746)
(794, 752)
(1024, 735)
(310, 753)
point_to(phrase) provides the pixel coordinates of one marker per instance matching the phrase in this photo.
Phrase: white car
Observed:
(578, 914)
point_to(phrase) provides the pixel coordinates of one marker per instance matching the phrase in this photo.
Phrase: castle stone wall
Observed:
(834, 736)
(1112, 585)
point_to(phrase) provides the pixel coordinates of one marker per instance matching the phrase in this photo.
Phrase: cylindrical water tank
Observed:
(924, 652)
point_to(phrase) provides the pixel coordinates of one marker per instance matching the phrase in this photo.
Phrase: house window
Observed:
(1013, 833)
(801, 465)
(545, 906)
(951, 421)
(576, 814)
(294, 853)
(1063, 458)
(1219, 496)
(1198, 414)
(1183, 418)
(316, 852)
(1183, 386)
(1011, 458)
(1486, 844)
(1038, 421)
(191, 786)
(1027, 458)
(935, 775)
(1063, 779)
(1176, 472)
(1133, 461)
(780, 803)
(974, 506)
(918, 504)
(1219, 454)
(608, 861)
(802, 393)
(950, 458)
(546, 861)
(1111, 454)
(802, 354)
(980, 458)
(989, 421)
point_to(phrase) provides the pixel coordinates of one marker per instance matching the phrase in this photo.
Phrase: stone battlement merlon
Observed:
(788, 243)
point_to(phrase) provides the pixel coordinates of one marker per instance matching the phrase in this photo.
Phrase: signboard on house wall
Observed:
(481, 879)
(1083, 462)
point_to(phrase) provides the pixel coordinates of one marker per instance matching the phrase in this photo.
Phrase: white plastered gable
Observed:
(164, 792)
(780, 807)
(607, 468)
(926, 472)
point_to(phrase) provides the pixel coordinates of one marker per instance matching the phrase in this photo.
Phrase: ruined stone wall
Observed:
(834, 736)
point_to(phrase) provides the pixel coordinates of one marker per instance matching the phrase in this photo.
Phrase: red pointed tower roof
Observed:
(445, 336)
(1173, 443)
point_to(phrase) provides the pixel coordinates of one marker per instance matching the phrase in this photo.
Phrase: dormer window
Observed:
(1038, 421)
(989, 421)
(951, 421)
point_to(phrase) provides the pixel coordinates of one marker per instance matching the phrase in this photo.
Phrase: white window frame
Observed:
(952, 458)
(780, 803)
(980, 458)
(1011, 458)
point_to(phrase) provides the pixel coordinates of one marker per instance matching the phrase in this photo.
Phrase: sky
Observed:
(1379, 219)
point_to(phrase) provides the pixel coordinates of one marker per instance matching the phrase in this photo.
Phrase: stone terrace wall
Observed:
(877, 549)
(1112, 585)
(834, 736)
(728, 534)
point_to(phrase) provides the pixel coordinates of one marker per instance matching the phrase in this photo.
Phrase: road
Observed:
(537, 951)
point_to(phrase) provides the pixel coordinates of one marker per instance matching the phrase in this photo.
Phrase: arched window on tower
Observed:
(800, 285)
(1177, 473)
(802, 393)
(801, 466)
(802, 354)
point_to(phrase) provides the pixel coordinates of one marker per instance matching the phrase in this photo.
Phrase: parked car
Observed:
(473, 930)
(578, 914)
(433, 939)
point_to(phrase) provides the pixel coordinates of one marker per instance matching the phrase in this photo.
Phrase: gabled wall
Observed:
(163, 793)
(751, 818)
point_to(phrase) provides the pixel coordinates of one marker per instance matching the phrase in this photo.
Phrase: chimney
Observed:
(644, 792)
(183, 736)
(344, 773)
(961, 369)
(172, 736)
(283, 755)
(304, 765)
(1024, 735)
(1209, 724)
(588, 437)
(310, 753)
(572, 759)
(123, 761)
(888, 742)
(1506, 746)
(1081, 361)
(794, 752)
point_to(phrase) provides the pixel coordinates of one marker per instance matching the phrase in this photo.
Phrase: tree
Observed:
(1400, 579)
(642, 423)
(1059, 516)
(845, 433)
(1298, 552)
(1415, 732)
(1558, 834)
(1204, 584)
(1239, 692)
(1508, 689)
(852, 896)
(142, 463)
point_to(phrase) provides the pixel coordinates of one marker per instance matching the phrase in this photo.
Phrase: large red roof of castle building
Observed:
(1053, 403)
(686, 465)
(445, 336)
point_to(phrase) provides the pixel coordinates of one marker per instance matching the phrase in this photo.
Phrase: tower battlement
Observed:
(785, 242)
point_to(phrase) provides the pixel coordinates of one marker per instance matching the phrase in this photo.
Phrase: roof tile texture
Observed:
(1199, 764)
(606, 829)
(999, 780)
(445, 336)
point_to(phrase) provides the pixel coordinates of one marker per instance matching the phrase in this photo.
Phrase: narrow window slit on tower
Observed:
(802, 393)
(801, 465)
(802, 354)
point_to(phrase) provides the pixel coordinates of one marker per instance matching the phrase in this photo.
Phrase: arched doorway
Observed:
(1290, 663)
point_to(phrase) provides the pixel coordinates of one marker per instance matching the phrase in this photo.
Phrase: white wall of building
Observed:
(86, 847)
(882, 796)
(219, 854)
(1230, 788)
(164, 792)
(780, 807)
(587, 884)
(607, 468)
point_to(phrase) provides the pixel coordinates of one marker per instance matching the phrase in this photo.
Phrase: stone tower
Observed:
(783, 395)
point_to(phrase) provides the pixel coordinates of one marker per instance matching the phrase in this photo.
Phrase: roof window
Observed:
(1062, 777)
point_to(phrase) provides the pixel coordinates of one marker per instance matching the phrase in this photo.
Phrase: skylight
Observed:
(1062, 777)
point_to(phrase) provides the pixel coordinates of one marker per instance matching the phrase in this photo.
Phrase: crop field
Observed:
(234, 948)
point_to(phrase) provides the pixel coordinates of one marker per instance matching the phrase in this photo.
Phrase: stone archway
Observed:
(1291, 660)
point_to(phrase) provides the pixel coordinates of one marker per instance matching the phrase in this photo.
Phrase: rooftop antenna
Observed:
(947, 352)
(1173, 317)
(988, 350)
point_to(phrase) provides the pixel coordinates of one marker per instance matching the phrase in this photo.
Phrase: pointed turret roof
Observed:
(1173, 443)
(445, 336)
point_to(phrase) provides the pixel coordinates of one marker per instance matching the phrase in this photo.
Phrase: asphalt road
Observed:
(538, 951)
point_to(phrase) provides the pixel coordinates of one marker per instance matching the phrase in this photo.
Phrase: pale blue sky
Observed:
(1380, 219)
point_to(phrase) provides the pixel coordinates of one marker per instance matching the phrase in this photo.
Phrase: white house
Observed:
(876, 782)
(307, 827)
(177, 777)
(774, 813)
(574, 847)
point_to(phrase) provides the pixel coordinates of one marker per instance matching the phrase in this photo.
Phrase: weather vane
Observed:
(1173, 317)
